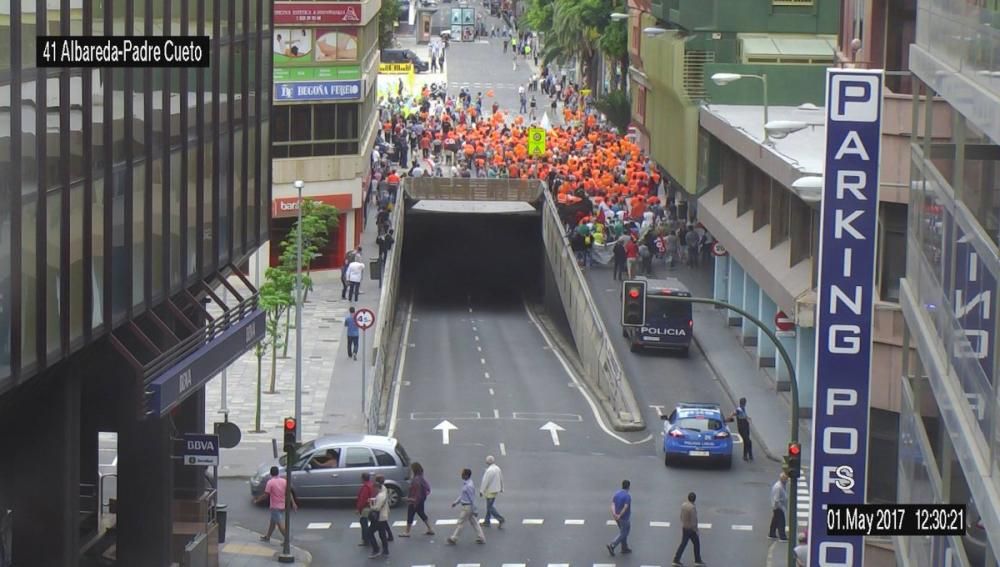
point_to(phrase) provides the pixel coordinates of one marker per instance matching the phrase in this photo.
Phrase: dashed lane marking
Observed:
(743, 527)
(558, 565)
(477, 338)
(704, 526)
(503, 450)
(659, 524)
(569, 522)
(492, 393)
(532, 521)
(487, 375)
(496, 413)
(479, 348)
(319, 526)
(482, 361)
(467, 565)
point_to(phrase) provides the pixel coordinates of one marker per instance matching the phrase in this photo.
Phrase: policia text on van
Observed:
(650, 320)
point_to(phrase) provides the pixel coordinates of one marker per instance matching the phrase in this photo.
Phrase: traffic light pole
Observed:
(793, 490)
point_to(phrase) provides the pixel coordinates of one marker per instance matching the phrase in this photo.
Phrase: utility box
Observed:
(424, 18)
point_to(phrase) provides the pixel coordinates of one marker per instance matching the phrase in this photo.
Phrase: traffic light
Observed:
(633, 303)
(291, 428)
(794, 460)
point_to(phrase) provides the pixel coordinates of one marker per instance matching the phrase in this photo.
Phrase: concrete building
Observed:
(791, 41)
(126, 197)
(949, 428)
(324, 117)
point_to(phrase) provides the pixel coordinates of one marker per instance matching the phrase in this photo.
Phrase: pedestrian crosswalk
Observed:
(536, 522)
(468, 85)
(804, 499)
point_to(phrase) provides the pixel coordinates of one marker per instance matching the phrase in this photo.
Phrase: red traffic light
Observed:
(633, 293)
(794, 449)
(289, 424)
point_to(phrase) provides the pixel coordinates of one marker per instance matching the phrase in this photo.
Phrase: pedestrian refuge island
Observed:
(600, 367)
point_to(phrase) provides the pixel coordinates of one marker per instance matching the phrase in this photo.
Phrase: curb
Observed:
(302, 557)
(720, 377)
(572, 357)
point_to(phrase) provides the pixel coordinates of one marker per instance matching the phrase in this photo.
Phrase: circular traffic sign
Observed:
(536, 136)
(364, 318)
(783, 322)
(718, 249)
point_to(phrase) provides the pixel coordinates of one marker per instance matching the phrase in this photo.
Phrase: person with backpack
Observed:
(348, 258)
(420, 489)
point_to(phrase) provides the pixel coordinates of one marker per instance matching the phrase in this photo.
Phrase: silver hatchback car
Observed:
(329, 468)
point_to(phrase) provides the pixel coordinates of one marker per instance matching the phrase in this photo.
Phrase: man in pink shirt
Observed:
(275, 491)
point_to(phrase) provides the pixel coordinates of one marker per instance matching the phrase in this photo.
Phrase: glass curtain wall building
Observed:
(950, 423)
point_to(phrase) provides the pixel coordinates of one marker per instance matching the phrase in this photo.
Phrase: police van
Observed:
(669, 324)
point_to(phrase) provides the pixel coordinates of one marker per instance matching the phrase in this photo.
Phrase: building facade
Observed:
(792, 41)
(325, 115)
(949, 428)
(126, 197)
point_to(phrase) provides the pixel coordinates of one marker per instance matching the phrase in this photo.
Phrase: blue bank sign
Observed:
(847, 252)
(318, 90)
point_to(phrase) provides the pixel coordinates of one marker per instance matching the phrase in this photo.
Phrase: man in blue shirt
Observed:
(621, 513)
(352, 335)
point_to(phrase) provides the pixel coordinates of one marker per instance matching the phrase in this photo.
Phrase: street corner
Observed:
(244, 548)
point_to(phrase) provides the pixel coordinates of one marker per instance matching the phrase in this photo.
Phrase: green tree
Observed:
(388, 15)
(275, 298)
(617, 106)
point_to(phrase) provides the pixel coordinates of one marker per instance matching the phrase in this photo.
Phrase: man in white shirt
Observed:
(490, 487)
(355, 271)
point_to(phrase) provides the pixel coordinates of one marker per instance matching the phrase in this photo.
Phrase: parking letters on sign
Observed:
(844, 307)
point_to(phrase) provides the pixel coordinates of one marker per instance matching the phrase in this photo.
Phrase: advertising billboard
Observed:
(315, 13)
(317, 90)
(298, 47)
(844, 308)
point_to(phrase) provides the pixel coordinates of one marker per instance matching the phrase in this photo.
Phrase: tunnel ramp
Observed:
(473, 195)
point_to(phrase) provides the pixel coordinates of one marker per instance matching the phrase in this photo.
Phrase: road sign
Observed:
(718, 249)
(364, 318)
(536, 142)
(783, 323)
(201, 449)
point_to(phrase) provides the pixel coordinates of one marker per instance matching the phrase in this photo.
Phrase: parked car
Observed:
(697, 431)
(405, 56)
(329, 468)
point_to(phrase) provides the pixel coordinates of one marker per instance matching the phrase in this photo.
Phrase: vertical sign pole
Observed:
(844, 307)
(364, 377)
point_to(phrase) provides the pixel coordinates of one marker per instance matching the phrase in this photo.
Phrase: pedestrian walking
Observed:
(801, 552)
(621, 513)
(689, 531)
(619, 255)
(467, 514)
(348, 258)
(743, 426)
(363, 507)
(379, 516)
(779, 508)
(353, 332)
(355, 271)
(491, 487)
(504, 43)
(631, 257)
(274, 492)
(384, 242)
(420, 489)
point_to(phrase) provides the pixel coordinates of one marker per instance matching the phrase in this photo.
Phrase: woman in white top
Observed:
(380, 506)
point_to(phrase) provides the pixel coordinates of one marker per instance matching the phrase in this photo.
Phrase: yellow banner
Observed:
(395, 68)
(536, 141)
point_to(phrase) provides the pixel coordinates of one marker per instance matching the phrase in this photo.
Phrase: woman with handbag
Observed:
(379, 516)
(420, 489)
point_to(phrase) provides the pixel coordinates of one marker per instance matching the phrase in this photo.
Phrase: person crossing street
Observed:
(621, 513)
(467, 514)
(689, 531)
(491, 487)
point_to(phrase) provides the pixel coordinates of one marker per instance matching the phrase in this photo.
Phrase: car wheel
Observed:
(395, 496)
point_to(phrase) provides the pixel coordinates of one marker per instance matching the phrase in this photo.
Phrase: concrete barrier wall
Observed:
(383, 355)
(602, 368)
(472, 189)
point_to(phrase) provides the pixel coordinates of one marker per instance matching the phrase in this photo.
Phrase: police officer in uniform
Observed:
(743, 426)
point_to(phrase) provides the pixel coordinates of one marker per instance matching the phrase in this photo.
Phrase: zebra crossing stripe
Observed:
(319, 526)
(573, 522)
(356, 524)
(399, 524)
(659, 524)
(532, 521)
(447, 522)
(743, 527)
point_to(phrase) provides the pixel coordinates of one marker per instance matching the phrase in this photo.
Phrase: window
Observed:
(892, 263)
(310, 130)
(384, 459)
(358, 457)
(699, 423)
(640, 104)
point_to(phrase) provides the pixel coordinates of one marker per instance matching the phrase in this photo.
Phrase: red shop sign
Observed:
(309, 13)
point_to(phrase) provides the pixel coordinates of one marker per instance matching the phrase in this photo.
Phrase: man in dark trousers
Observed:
(743, 426)
(689, 531)
(621, 513)
(352, 335)
(619, 252)
(384, 242)
(779, 507)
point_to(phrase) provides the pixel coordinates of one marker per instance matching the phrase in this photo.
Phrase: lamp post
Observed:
(723, 79)
(298, 313)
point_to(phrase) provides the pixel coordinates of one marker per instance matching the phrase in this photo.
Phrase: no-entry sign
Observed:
(783, 323)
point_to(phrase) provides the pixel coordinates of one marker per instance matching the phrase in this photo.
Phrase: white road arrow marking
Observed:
(554, 429)
(446, 427)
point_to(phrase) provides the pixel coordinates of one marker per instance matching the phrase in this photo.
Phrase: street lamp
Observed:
(723, 79)
(298, 314)
(780, 128)
(653, 31)
(809, 188)
(618, 16)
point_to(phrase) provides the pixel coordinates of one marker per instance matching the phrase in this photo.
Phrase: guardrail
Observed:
(601, 366)
(385, 321)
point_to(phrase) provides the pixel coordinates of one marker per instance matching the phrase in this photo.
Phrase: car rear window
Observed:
(403, 457)
(384, 459)
(701, 423)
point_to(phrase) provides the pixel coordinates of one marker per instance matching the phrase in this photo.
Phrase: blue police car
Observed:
(697, 431)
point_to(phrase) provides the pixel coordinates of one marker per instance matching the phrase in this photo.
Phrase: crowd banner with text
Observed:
(844, 308)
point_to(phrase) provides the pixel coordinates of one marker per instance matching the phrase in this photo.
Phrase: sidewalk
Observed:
(243, 548)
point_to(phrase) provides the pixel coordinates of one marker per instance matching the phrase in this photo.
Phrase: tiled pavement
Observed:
(243, 548)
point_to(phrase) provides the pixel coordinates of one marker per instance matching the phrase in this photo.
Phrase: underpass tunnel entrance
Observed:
(494, 258)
